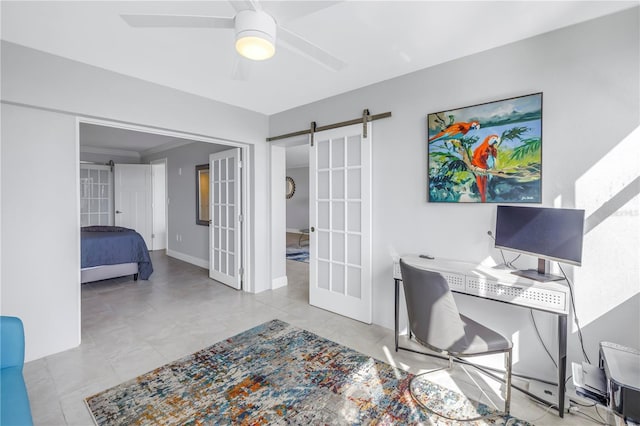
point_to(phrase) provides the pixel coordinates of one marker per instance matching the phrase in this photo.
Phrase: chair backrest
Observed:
(433, 314)
(11, 342)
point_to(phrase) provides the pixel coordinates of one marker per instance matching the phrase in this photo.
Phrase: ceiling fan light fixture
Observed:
(255, 48)
(255, 35)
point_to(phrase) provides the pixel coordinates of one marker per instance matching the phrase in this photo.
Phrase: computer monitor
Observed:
(548, 233)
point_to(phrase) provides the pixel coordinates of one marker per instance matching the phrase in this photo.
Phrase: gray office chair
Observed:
(435, 322)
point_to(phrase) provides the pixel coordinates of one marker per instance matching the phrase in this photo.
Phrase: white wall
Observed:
(298, 205)
(54, 90)
(590, 78)
(40, 232)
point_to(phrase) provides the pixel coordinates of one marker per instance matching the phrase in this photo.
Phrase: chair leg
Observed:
(507, 382)
(508, 367)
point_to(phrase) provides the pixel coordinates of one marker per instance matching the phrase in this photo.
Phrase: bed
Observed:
(113, 251)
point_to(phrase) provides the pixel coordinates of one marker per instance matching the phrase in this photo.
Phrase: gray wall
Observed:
(298, 205)
(589, 74)
(42, 95)
(181, 181)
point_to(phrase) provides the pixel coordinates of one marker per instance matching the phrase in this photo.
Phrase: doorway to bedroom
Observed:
(169, 201)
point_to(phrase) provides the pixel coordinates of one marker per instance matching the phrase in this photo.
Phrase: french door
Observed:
(96, 195)
(225, 229)
(340, 220)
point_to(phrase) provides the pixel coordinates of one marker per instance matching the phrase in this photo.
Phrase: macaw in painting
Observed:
(455, 131)
(484, 157)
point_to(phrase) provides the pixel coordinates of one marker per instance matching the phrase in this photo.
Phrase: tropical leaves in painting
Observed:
(529, 146)
(452, 177)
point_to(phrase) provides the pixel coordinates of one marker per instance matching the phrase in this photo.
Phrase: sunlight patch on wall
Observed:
(609, 194)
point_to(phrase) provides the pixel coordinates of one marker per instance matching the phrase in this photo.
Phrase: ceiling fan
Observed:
(257, 31)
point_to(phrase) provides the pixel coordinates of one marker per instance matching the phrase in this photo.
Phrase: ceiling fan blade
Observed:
(240, 5)
(301, 46)
(241, 68)
(285, 11)
(177, 21)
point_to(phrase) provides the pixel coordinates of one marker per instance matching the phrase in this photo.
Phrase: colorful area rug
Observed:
(272, 374)
(299, 254)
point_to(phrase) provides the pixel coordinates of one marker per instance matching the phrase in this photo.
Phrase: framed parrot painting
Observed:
(486, 153)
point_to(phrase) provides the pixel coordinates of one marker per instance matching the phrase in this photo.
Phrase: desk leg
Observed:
(397, 309)
(562, 362)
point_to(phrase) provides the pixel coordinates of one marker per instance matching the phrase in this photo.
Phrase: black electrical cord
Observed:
(594, 405)
(581, 404)
(600, 415)
(575, 315)
(504, 260)
(540, 338)
(513, 260)
(592, 418)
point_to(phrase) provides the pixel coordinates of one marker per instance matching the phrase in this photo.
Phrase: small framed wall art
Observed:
(486, 153)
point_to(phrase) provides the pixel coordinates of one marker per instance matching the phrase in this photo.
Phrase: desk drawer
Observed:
(517, 294)
(455, 281)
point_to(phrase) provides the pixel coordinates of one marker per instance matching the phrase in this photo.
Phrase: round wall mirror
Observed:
(291, 187)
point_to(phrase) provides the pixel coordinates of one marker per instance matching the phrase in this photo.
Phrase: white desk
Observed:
(502, 286)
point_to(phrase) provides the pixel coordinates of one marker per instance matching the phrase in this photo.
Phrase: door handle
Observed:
(118, 212)
(313, 229)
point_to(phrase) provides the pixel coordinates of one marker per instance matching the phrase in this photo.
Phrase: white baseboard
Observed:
(279, 282)
(189, 259)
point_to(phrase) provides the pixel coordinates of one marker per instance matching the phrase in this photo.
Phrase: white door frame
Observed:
(247, 235)
(278, 201)
(166, 194)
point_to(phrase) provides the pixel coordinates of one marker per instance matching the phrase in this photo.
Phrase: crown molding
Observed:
(109, 151)
(165, 147)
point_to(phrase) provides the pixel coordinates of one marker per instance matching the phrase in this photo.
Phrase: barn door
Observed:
(340, 220)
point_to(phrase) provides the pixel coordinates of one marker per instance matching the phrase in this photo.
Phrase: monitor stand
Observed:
(541, 274)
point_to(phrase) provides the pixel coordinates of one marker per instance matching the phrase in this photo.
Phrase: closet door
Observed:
(133, 198)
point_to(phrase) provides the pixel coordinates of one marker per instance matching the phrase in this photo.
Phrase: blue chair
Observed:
(14, 400)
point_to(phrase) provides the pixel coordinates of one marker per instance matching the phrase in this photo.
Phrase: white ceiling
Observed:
(378, 40)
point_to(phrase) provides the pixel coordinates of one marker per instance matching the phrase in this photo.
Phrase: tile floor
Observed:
(129, 328)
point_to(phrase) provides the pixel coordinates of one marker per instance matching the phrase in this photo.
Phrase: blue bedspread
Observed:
(112, 245)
